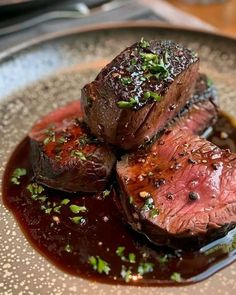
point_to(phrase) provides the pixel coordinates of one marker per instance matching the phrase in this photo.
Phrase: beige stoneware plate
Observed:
(38, 77)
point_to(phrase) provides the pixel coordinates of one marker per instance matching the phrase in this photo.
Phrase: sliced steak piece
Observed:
(65, 156)
(182, 191)
(142, 89)
(201, 111)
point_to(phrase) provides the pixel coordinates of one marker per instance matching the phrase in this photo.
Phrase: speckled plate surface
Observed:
(37, 78)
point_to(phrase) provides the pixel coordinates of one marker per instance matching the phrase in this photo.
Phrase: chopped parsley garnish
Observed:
(163, 259)
(131, 256)
(68, 248)
(57, 209)
(62, 139)
(143, 43)
(120, 251)
(51, 136)
(145, 267)
(17, 174)
(126, 274)
(154, 213)
(36, 191)
(154, 65)
(47, 210)
(126, 81)
(176, 277)
(127, 104)
(153, 95)
(78, 219)
(78, 154)
(149, 204)
(77, 209)
(98, 264)
(65, 201)
(106, 193)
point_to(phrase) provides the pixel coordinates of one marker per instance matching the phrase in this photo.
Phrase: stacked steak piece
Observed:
(143, 88)
(150, 104)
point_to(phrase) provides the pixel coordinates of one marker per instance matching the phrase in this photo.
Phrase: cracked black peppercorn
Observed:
(193, 196)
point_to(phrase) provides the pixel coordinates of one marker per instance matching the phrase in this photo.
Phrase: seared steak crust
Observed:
(136, 94)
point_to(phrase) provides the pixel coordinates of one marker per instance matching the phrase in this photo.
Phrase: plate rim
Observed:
(105, 27)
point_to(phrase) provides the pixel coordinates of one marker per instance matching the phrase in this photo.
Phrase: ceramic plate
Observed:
(38, 77)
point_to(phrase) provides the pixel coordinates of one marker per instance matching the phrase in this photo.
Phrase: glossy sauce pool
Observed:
(70, 240)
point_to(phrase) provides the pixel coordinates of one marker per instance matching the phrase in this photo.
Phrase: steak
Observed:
(135, 95)
(201, 111)
(181, 191)
(64, 154)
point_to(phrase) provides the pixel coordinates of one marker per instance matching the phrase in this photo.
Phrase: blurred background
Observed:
(22, 20)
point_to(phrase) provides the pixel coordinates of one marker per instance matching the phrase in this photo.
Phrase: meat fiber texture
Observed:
(143, 88)
(64, 154)
(180, 191)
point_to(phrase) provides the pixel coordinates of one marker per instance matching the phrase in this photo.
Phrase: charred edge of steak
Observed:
(142, 73)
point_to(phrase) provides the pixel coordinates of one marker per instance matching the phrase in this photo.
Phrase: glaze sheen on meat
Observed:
(181, 191)
(135, 95)
(65, 156)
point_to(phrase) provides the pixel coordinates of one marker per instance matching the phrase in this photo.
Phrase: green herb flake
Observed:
(127, 104)
(154, 65)
(36, 191)
(146, 95)
(57, 209)
(148, 205)
(176, 277)
(106, 193)
(132, 258)
(83, 140)
(65, 201)
(154, 213)
(68, 248)
(163, 259)
(131, 200)
(77, 209)
(77, 219)
(98, 264)
(155, 96)
(143, 43)
(51, 135)
(42, 198)
(126, 81)
(17, 174)
(120, 251)
(62, 139)
(47, 140)
(126, 274)
(78, 154)
(145, 267)
(48, 210)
